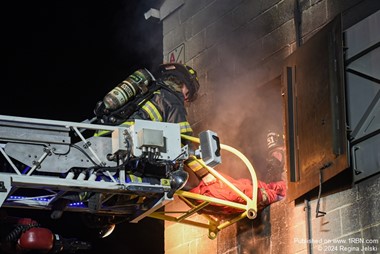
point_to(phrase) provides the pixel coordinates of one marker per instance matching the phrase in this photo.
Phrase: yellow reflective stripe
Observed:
(101, 133)
(135, 179)
(105, 132)
(194, 165)
(185, 127)
(152, 111)
(128, 123)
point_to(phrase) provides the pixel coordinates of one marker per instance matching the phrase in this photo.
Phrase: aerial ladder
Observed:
(61, 166)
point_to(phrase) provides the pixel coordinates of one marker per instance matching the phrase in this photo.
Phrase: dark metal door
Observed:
(363, 95)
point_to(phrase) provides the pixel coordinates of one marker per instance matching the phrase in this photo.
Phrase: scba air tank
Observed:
(136, 83)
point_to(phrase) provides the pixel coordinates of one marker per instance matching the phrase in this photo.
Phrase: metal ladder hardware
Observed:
(62, 166)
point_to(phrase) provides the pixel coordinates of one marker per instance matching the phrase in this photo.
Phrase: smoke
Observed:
(244, 112)
(138, 37)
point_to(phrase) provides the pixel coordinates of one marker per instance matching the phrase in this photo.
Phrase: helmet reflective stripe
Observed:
(185, 127)
(191, 71)
(152, 111)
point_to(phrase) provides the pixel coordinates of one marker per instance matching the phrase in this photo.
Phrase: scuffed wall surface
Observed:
(238, 48)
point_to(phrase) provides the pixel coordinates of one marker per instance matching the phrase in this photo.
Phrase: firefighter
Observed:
(180, 84)
(160, 98)
(276, 170)
(177, 84)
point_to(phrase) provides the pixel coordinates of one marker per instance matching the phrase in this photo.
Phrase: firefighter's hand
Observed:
(209, 179)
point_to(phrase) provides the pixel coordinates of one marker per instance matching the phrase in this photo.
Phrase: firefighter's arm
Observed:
(200, 171)
(209, 179)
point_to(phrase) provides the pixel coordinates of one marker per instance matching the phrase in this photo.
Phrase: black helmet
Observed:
(184, 73)
(274, 140)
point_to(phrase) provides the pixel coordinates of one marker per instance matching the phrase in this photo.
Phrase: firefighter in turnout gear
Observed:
(164, 101)
(142, 96)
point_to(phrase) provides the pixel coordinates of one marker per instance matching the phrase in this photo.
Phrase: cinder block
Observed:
(314, 18)
(350, 218)
(192, 7)
(236, 44)
(212, 13)
(195, 45)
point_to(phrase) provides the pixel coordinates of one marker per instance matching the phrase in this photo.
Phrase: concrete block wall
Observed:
(237, 47)
(351, 225)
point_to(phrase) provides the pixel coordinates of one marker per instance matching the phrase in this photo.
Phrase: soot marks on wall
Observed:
(254, 235)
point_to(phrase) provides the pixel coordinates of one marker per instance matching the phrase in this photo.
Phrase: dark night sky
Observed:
(60, 58)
